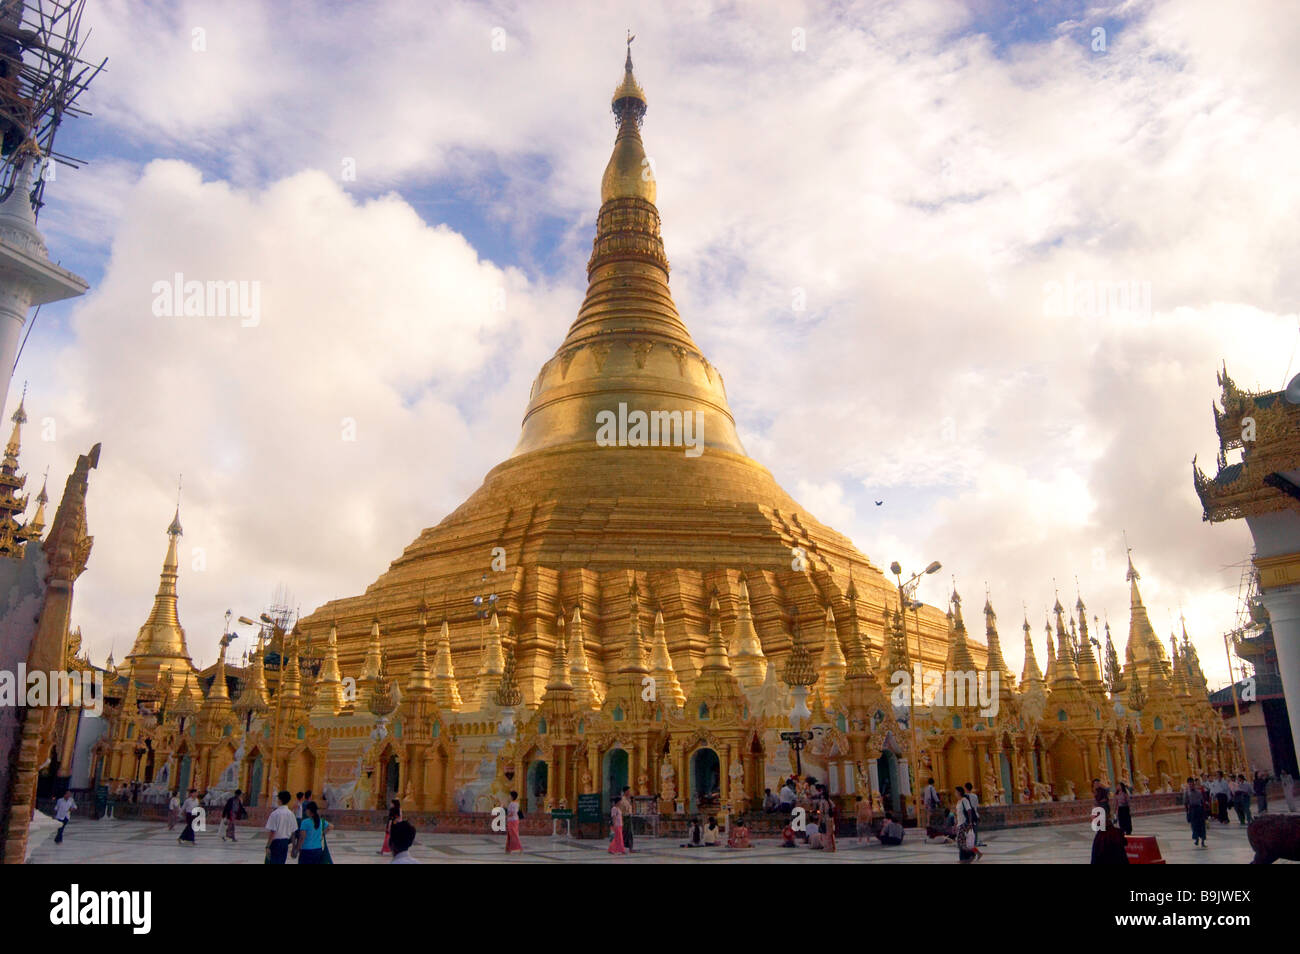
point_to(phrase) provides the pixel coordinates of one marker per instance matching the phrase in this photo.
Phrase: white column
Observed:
(1283, 606)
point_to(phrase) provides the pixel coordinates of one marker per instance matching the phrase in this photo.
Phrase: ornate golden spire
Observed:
(1065, 670)
(329, 684)
(799, 669)
(12, 503)
(715, 654)
(1031, 675)
(583, 683)
(628, 344)
(959, 655)
(254, 698)
(832, 663)
(218, 692)
(372, 667)
(508, 694)
(420, 680)
(749, 664)
(1089, 668)
(493, 663)
(560, 678)
(995, 661)
(160, 643)
(667, 686)
(446, 689)
(634, 657)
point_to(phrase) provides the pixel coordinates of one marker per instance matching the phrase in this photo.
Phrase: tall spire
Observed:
(1031, 675)
(715, 653)
(665, 675)
(446, 690)
(832, 663)
(749, 664)
(1089, 668)
(628, 344)
(995, 661)
(634, 657)
(12, 503)
(254, 698)
(160, 643)
(329, 684)
(560, 678)
(959, 655)
(420, 681)
(583, 683)
(1065, 669)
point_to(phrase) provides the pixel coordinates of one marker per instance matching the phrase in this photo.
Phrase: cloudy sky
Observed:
(875, 214)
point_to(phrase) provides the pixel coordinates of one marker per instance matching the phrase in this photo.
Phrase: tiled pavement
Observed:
(135, 842)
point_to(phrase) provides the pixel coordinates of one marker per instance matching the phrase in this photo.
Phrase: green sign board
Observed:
(589, 807)
(562, 813)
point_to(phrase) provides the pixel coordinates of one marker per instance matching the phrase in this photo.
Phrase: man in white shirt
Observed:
(298, 807)
(281, 826)
(173, 810)
(787, 797)
(64, 807)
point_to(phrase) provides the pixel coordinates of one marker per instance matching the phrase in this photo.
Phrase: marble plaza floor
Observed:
(136, 842)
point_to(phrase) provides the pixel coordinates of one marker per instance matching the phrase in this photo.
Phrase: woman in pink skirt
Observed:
(616, 834)
(512, 825)
(394, 816)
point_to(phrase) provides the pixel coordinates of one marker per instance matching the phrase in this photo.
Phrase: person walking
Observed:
(1219, 794)
(394, 816)
(63, 809)
(967, 845)
(616, 845)
(512, 825)
(298, 803)
(1196, 812)
(1123, 812)
(974, 798)
(231, 812)
(1241, 799)
(189, 811)
(311, 836)
(173, 810)
(1261, 792)
(281, 825)
(625, 803)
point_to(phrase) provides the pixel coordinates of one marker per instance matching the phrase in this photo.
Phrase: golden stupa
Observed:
(572, 517)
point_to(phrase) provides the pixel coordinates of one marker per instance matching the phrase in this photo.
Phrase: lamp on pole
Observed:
(907, 600)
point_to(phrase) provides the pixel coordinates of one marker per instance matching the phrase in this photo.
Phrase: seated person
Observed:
(770, 802)
(945, 829)
(787, 837)
(814, 833)
(694, 836)
(739, 837)
(891, 833)
(712, 833)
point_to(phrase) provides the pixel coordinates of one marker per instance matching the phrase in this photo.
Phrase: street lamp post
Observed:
(907, 600)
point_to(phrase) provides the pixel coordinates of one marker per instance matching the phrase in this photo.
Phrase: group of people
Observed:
(1205, 798)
